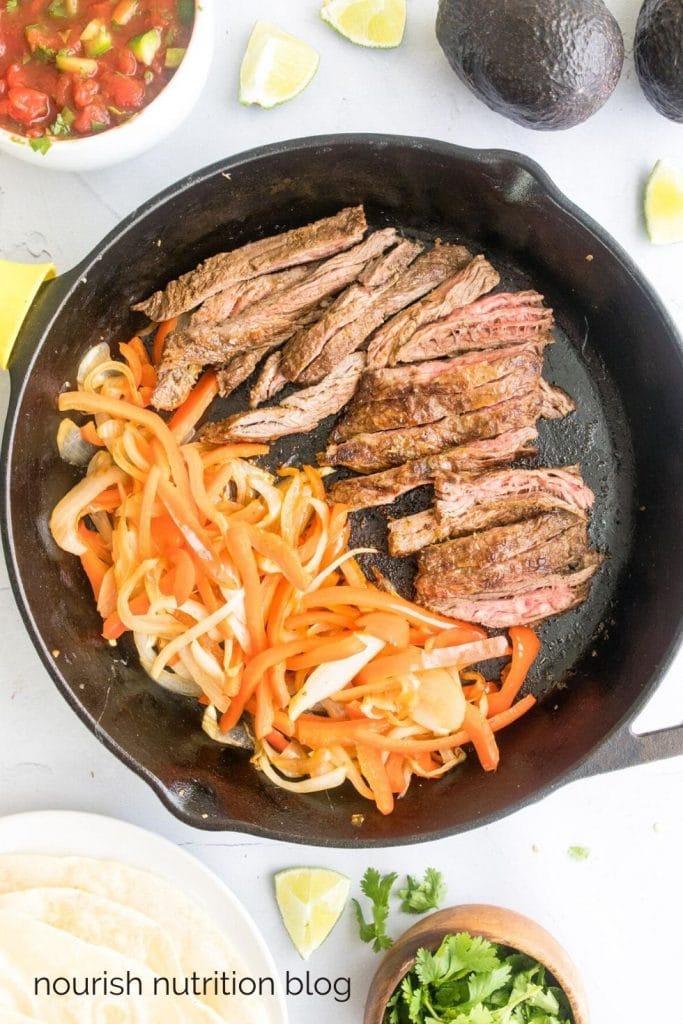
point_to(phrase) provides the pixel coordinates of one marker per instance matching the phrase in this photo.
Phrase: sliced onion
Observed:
(237, 737)
(93, 357)
(331, 780)
(176, 682)
(72, 448)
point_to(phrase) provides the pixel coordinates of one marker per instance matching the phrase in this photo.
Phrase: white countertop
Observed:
(604, 908)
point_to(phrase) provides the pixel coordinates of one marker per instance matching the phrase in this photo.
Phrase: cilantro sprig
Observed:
(377, 888)
(469, 980)
(420, 896)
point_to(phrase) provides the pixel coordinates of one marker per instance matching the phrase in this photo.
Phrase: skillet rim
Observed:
(61, 291)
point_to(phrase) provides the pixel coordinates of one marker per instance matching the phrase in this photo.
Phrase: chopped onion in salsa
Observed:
(72, 68)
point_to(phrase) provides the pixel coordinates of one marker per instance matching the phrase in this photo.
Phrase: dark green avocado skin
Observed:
(658, 52)
(546, 64)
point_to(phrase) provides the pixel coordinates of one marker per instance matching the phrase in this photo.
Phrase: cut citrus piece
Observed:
(311, 901)
(664, 204)
(276, 66)
(378, 23)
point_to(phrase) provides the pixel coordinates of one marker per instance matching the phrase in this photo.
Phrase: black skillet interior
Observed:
(616, 353)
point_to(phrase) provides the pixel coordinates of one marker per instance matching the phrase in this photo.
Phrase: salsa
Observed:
(72, 68)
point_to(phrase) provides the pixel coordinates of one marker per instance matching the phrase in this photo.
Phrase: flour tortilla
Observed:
(101, 922)
(30, 948)
(199, 944)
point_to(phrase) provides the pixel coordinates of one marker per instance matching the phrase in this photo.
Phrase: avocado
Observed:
(546, 64)
(658, 52)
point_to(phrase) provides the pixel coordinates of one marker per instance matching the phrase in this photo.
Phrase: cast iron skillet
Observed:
(617, 353)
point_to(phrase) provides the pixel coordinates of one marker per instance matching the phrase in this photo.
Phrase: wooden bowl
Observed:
(496, 924)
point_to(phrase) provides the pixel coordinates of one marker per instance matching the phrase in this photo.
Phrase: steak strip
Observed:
(238, 297)
(490, 322)
(384, 488)
(277, 314)
(474, 280)
(306, 244)
(456, 386)
(553, 595)
(299, 413)
(369, 453)
(307, 345)
(467, 503)
(269, 382)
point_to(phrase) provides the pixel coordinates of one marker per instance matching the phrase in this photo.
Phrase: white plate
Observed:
(64, 833)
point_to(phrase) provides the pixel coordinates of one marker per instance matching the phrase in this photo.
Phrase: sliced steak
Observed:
(424, 274)
(384, 488)
(306, 244)
(299, 413)
(276, 314)
(470, 503)
(238, 297)
(454, 386)
(477, 278)
(369, 453)
(556, 403)
(553, 595)
(358, 299)
(269, 382)
(493, 321)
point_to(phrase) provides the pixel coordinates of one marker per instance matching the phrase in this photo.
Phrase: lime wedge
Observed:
(664, 204)
(276, 66)
(311, 901)
(377, 23)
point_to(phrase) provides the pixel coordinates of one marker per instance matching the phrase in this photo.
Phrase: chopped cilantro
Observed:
(40, 145)
(579, 852)
(420, 896)
(377, 888)
(98, 126)
(469, 980)
(11, 5)
(44, 53)
(62, 125)
(57, 9)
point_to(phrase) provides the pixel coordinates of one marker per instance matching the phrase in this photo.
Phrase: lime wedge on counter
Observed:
(664, 204)
(311, 901)
(276, 66)
(377, 23)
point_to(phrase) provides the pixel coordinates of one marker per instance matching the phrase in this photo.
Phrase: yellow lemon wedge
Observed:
(664, 204)
(311, 901)
(276, 66)
(376, 23)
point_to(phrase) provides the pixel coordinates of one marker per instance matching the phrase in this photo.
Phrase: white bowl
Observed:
(145, 129)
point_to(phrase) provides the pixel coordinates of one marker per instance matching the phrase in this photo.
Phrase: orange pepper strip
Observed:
(166, 534)
(314, 731)
(305, 619)
(217, 456)
(93, 540)
(283, 724)
(239, 547)
(372, 767)
(133, 359)
(480, 733)
(525, 648)
(138, 345)
(265, 712)
(358, 692)
(277, 741)
(270, 546)
(416, 660)
(90, 435)
(187, 416)
(253, 673)
(463, 633)
(95, 569)
(391, 628)
(395, 767)
(329, 650)
(113, 627)
(352, 573)
(316, 482)
(373, 599)
(163, 331)
(182, 579)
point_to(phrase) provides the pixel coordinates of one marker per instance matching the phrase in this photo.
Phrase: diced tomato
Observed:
(15, 75)
(126, 93)
(85, 90)
(126, 62)
(92, 118)
(63, 91)
(28, 106)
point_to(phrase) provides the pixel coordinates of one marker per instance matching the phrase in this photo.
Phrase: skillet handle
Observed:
(626, 749)
(19, 285)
